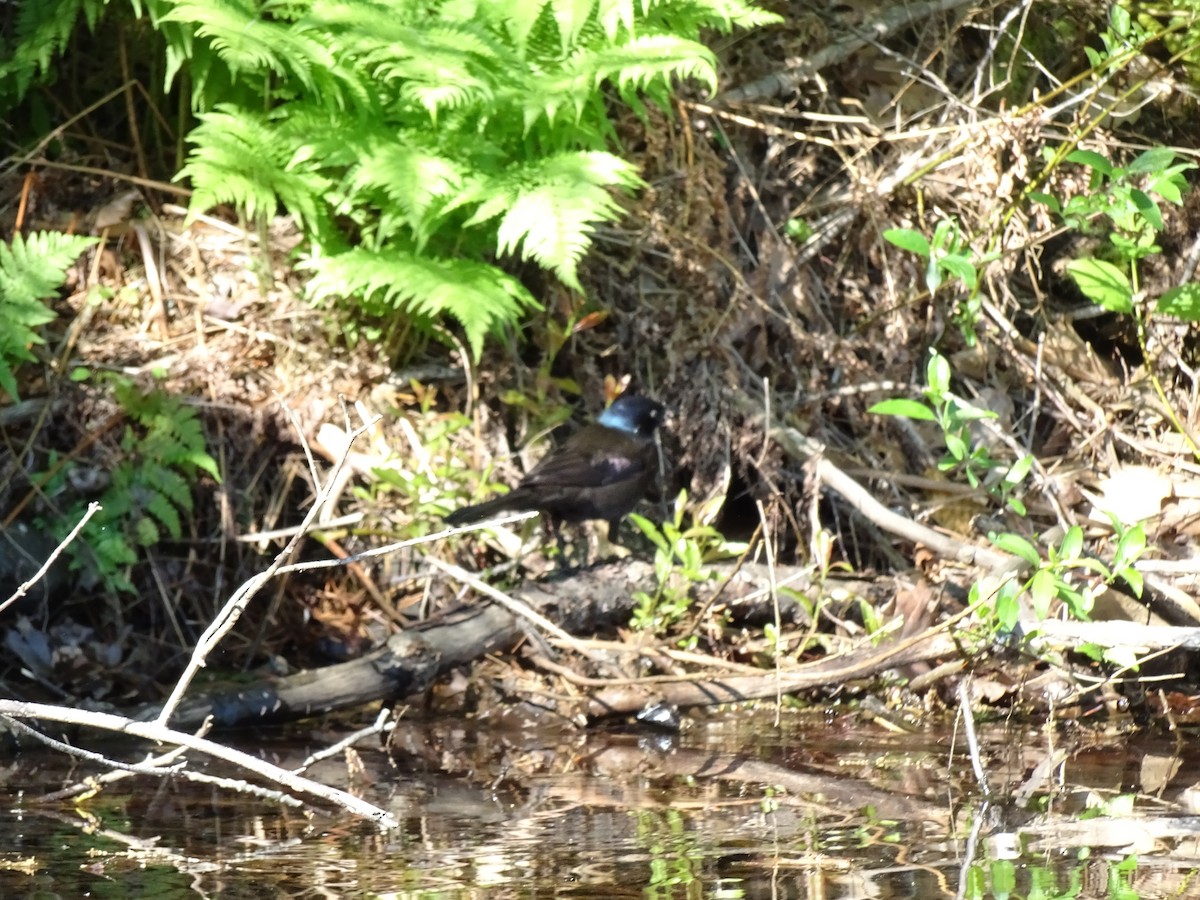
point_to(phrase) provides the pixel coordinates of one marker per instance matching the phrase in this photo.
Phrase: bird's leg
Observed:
(609, 546)
(554, 526)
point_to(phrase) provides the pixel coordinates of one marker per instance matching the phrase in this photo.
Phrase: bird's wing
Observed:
(578, 465)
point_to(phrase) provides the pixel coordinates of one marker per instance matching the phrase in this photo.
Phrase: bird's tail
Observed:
(513, 500)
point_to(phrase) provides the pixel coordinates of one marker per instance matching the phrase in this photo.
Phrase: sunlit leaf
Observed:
(899, 406)
(1182, 301)
(1102, 283)
(1017, 546)
(907, 239)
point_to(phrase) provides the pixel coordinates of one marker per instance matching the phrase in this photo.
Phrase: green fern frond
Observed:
(648, 58)
(642, 63)
(517, 20)
(31, 271)
(415, 180)
(146, 532)
(549, 208)
(479, 296)
(33, 267)
(615, 16)
(571, 16)
(243, 159)
(437, 68)
(163, 451)
(169, 484)
(248, 41)
(725, 14)
(161, 507)
(428, 58)
(409, 121)
(40, 34)
(112, 552)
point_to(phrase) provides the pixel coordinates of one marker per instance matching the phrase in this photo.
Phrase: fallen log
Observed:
(581, 602)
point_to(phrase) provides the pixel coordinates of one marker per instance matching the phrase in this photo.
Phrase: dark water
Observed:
(734, 808)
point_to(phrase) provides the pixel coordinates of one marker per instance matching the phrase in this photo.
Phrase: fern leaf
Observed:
(248, 41)
(189, 431)
(571, 16)
(614, 15)
(241, 158)
(413, 179)
(113, 549)
(480, 297)
(729, 13)
(202, 460)
(640, 61)
(163, 510)
(146, 532)
(31, 271)
(170, 484)
(439, 68)
(32, 268)
(551, 207)
(41, 32)
(517, 19)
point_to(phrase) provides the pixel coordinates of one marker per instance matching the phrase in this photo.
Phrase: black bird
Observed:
(601, 472)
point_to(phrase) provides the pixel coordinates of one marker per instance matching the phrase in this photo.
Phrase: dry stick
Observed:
(233, 784)
(146, 768)
(379, 726)
(513, 605)
(152, 731)
(153, 764)
(387, 549)
(802, 447)
(227, 617)
(154, 281)
(769, 550)
(254, 537)
(92, 509)
(964, 708)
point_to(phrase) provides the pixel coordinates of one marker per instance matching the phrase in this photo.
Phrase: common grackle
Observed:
(601, 472)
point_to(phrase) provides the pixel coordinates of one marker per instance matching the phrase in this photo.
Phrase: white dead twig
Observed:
(152, 731)
(158, 730)
(92, 509)
(223, 623)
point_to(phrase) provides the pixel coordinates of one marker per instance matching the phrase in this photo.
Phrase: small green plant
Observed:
(1056, 575)
(31, 270)
(948, 256)
(41, 32)
(963, 453)
(1121, 38)
(162, 453)
(419, 481)
(1178, 22)
(1123, 202)
(681, 559)
(799, 230)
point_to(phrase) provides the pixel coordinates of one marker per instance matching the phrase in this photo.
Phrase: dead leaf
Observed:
(1132, 494)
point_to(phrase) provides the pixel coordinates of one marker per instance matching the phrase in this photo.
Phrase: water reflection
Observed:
(733, 808)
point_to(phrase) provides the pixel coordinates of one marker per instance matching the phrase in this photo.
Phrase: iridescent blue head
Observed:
(636, 415)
